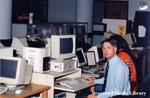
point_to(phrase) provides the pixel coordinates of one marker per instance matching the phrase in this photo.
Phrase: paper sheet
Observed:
(141, 31)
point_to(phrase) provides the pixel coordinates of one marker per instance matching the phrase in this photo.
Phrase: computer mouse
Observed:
(18, 91)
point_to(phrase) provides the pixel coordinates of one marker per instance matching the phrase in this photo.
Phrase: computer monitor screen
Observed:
(62, 46)
(64, 43)
(12, 70)
(100, 53)
(81, 57)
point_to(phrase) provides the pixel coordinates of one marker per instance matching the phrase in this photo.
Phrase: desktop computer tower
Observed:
(38, 58)
(63, 65)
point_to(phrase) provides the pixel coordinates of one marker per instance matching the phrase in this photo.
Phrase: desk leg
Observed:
(45, 94)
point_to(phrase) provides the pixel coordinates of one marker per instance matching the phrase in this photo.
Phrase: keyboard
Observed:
(73, 82)
(3, 90)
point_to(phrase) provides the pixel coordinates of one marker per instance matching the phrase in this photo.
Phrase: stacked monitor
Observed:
(63, 46)
(14, 71)
(81, 57)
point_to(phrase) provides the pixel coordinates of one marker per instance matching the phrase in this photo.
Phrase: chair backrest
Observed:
(142, 64)
(144, 87)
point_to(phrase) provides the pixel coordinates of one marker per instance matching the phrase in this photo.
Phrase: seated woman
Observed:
(125, 54)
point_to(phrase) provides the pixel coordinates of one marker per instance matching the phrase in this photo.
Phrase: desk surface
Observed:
(31, 89)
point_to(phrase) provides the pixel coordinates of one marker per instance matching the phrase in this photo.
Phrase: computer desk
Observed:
(32, 89)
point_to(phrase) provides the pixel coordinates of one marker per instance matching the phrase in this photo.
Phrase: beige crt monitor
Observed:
(81, 57)
(95, 50)
(63, 46)
(14, 71)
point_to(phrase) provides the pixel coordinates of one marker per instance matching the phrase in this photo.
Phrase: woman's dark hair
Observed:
(122, 45)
